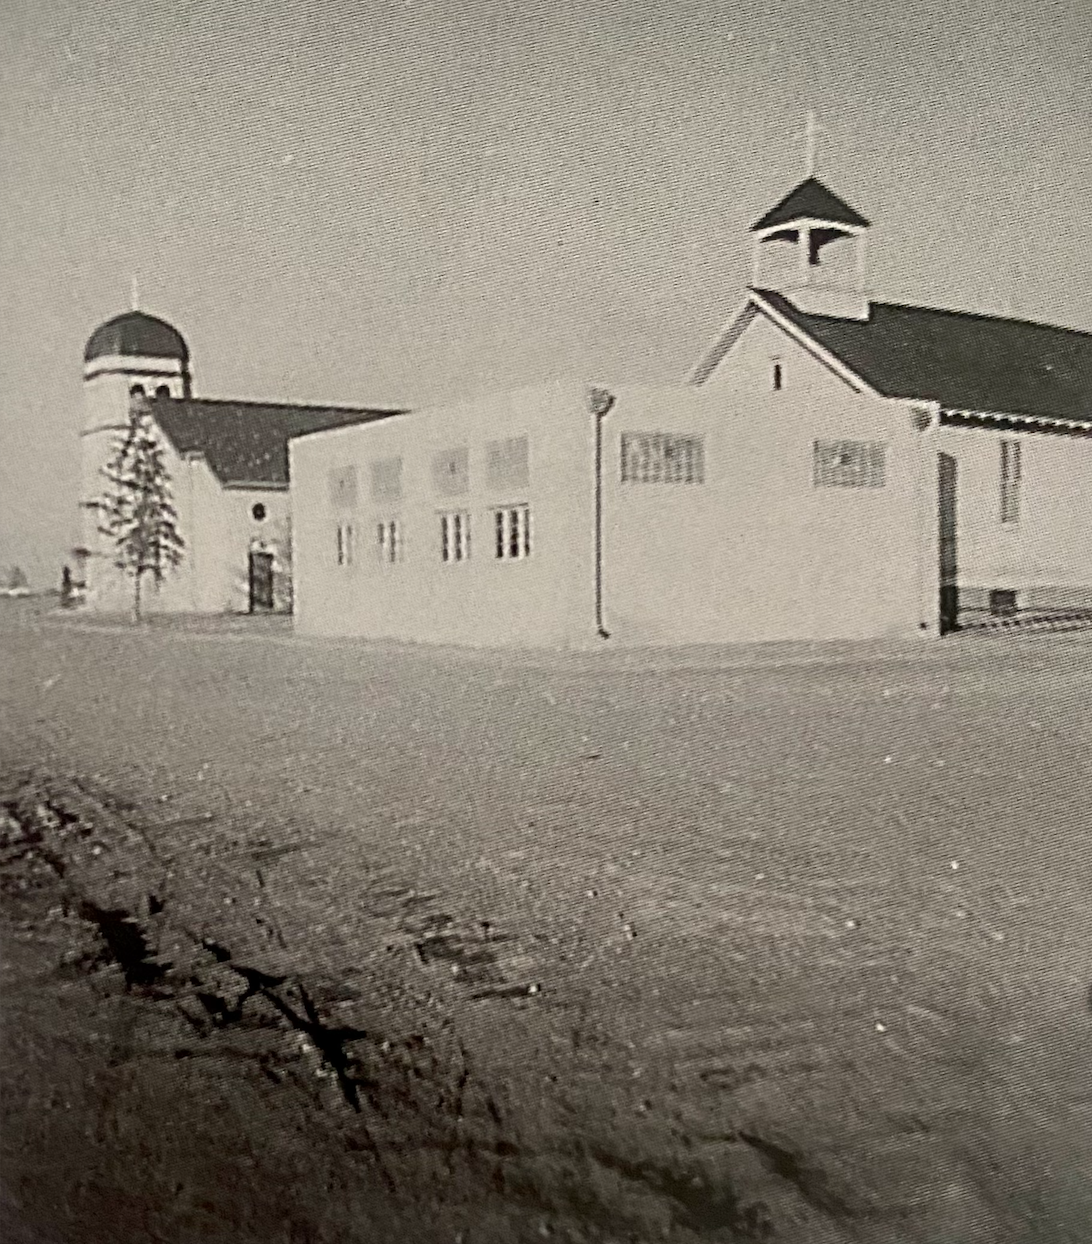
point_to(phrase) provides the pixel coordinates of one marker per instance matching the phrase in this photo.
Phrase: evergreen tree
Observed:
(138, 513)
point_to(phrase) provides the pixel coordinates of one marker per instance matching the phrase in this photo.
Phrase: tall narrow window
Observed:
(1011, 475)
(344, 545)
(454, 537)
(389, 541)
(512, 527)
(778, 377)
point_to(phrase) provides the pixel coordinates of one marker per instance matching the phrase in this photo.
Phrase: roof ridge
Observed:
(954, 311)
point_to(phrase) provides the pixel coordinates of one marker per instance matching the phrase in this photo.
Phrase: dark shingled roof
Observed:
(247, 442)
(981, 363)
(136, 335)
(811, 198)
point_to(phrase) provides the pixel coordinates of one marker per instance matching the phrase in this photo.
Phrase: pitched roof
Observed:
(139, 335)
(247, 442)
(811, 199)
(981, 363)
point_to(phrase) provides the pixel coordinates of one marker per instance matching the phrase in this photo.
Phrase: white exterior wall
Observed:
(1046, 555)
(216, 523)
(546, 599)
(758, 552)
(224, 533)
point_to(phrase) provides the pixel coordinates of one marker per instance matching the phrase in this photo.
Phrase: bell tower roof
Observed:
(811, 200)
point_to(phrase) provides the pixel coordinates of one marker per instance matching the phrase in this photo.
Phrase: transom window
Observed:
(662, 458)
(387, 479)
(512, 532)
(455, 537)
(451, 472)
(343, 487)
(507, 463)
(849, 464)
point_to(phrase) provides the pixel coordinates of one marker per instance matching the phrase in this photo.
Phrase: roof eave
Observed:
(255, 485)
(952, 415)
(820, 352)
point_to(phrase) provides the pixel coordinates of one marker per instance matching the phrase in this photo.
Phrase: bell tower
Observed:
(811, 246)
(132, 355)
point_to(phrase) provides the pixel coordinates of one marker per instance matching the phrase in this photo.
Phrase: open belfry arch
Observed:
(812, 245)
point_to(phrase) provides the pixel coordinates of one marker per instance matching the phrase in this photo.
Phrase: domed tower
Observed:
(131, 354)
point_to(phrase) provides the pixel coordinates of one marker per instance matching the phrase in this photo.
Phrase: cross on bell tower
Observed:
(811, 134)
(811, 245)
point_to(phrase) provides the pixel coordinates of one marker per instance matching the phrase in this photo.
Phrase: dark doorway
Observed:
(261, 582)
(948, 543)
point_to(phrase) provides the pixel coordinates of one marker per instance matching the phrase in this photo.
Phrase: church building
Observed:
(1008, 402)
(834, 468)
(228, 468)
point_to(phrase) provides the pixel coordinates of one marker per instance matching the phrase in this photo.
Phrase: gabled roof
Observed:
(981, 363)
(811, 199)
(247, 442)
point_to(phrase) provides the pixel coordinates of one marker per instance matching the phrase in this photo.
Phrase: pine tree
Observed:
(138, 513)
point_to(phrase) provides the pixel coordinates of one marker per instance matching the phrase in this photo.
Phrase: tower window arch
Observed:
(163, 390)
(136, 390)
(257, 512)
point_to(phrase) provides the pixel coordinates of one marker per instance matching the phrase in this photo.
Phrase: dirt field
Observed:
(318, 941)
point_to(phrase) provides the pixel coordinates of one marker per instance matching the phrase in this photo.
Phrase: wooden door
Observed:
(261, 582)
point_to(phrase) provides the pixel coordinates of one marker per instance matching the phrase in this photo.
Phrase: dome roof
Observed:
(139, 335)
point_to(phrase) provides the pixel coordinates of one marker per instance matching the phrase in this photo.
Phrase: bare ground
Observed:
(317, 942)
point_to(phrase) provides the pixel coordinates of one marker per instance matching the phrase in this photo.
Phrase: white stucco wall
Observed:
(220, 535)
(759, 552)
(216, 523)
(545, 599)
(1046, 555)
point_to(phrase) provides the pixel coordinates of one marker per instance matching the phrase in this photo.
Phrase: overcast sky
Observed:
(343, 200)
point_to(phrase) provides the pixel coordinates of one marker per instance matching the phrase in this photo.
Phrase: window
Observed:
(387, 479)
(389, 541)
(507, 463)
(454, 537)
(512, 531)
(451, 472)
(1011, 474)
(661, 458)
(342, 483)
(136, 390)
(162, 390)
(778, 376)
(344, 545)
(1003, 603)
(257, 512)
(849, 464)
